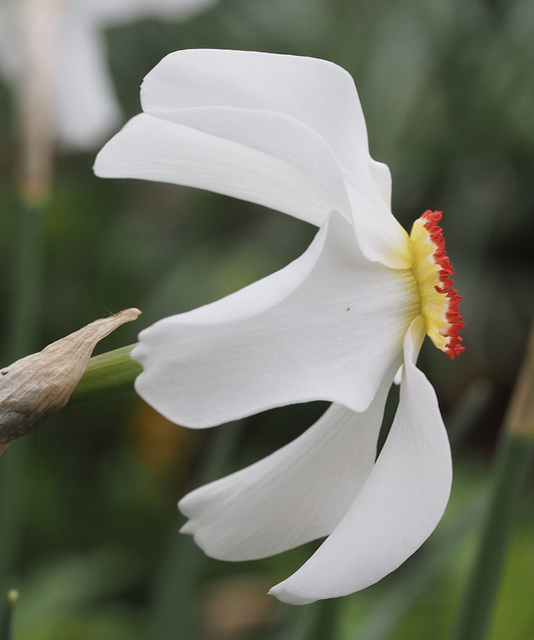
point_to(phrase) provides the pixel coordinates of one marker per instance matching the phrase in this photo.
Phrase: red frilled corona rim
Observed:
(433, 271)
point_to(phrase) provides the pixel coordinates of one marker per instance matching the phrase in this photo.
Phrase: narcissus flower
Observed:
(70, 32)
(338, 324)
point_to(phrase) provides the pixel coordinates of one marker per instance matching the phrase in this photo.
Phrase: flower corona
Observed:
(433, 270)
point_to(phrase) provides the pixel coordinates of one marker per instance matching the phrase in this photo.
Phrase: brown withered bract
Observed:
(34, 389)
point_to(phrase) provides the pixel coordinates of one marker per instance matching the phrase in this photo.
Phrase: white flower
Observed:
(336, 324)
(86, 108)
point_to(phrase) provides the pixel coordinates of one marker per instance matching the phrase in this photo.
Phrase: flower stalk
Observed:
(107, 374)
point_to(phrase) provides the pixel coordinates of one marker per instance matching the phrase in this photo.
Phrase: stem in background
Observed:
(37, 23)
(326, 620)
(6, 615)
(26, 301)
(24, 322)
(176, 585)
(477, 604)
(512, 465)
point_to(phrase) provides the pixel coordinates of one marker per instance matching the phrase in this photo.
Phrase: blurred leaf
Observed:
(61, 590)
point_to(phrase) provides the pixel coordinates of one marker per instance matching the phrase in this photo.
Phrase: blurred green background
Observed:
(447, 90)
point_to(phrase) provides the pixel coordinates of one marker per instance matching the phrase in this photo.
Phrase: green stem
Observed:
(107, 374)
(6, 615)
(23, 325)
(177, 582)
(511, 468)
(26, 301)
(326, 620)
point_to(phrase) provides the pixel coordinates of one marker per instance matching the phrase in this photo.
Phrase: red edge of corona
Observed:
(453, 319)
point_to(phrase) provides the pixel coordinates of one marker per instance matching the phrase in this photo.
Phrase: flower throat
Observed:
(432, 270)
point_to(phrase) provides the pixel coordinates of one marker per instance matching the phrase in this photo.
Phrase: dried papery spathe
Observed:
(34, 389)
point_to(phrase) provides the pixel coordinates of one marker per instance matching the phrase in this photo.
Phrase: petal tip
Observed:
(285, 595)
(187, 528)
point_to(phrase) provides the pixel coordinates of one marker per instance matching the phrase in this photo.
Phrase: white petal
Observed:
(87, 109)
(298, 176)
(278, 135)
(314, 92)
(328, 326)
(399, 505)
(379, 234)
(382, 177)
(317, 93)
(297, 494)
